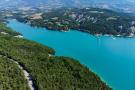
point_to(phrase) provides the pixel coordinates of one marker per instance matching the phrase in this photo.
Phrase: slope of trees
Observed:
(11, 77)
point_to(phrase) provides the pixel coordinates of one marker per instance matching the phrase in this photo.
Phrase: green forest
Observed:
(11, 77)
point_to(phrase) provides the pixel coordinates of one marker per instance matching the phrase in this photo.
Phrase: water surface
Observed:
(112, 59)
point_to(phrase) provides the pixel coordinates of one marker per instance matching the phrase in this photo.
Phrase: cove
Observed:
(112, 59)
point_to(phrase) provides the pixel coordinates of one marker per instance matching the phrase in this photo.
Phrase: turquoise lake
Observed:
(112, 59)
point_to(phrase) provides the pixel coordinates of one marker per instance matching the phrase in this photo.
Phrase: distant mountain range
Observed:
(121, 5)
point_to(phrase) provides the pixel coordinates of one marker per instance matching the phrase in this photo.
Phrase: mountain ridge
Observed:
(119, 5)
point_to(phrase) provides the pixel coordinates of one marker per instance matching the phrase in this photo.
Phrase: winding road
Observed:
(25, 72)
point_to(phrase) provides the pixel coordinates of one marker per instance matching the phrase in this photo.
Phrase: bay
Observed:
(113, 59)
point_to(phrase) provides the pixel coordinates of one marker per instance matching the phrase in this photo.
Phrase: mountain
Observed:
(111, 4)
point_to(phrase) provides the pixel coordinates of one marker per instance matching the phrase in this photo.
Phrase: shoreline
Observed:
(85, 31)
(51, 55)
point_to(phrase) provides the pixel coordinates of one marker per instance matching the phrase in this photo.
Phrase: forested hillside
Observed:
(90, 20)
(11, 77)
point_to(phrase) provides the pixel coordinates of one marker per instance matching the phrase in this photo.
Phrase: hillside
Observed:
(90, 20)
(11, 77)
(48, 72)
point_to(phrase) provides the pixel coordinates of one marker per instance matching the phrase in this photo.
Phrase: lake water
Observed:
(112, 59)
